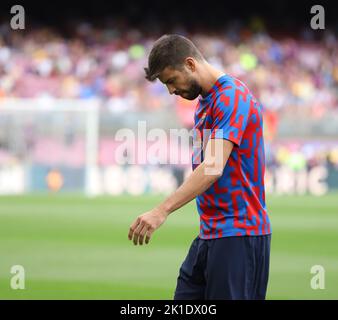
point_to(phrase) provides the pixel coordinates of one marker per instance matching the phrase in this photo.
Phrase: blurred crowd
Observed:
(292, 75)
(300, 155)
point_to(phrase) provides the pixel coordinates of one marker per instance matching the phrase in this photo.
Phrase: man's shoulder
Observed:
(225, 94)
(229, 86)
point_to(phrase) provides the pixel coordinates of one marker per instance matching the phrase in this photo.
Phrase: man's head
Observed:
(174, 59)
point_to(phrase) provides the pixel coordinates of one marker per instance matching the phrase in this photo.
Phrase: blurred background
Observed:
(74, 77)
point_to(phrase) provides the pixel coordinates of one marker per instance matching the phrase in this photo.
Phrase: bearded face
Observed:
(181, 82)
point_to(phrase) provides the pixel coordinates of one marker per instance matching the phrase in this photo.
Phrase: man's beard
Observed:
(193, 92)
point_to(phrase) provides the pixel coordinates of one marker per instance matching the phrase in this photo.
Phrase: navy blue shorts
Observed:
(225, 268)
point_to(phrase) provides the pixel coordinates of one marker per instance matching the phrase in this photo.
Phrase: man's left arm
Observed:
(215, 159)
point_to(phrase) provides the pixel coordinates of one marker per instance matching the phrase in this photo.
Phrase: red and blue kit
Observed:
(235, 204)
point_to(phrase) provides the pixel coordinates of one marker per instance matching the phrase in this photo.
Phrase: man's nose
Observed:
(171, 89)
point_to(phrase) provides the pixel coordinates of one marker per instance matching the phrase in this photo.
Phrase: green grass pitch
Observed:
(77, 248)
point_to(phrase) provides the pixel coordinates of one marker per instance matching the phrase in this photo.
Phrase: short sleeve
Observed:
(230, 113)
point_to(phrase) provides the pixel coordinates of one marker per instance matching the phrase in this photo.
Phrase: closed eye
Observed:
(170, 81)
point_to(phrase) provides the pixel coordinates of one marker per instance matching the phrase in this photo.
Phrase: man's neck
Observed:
(210, 76)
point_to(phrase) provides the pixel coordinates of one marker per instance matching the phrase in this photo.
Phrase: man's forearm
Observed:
(216, 156)
(194, 185)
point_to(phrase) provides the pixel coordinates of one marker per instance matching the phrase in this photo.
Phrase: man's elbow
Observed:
(213, 173)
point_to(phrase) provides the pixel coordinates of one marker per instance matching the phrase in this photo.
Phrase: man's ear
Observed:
(190, 63)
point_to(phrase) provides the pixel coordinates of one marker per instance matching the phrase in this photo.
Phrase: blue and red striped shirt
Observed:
(235, 204)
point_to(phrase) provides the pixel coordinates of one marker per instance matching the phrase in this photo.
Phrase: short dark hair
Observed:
(169, 51)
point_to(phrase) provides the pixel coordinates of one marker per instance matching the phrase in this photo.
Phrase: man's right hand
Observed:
(145, 225)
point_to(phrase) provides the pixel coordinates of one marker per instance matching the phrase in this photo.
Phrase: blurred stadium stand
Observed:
(84, 55)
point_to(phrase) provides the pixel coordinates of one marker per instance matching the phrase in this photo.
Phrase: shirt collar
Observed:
(213, 89)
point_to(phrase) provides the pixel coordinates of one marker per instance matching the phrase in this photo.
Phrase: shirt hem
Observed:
(233, 235)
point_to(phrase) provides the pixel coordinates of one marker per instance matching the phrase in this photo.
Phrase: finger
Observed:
(148, 235)
(142, 234)
(137, 232)
(133, 228)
